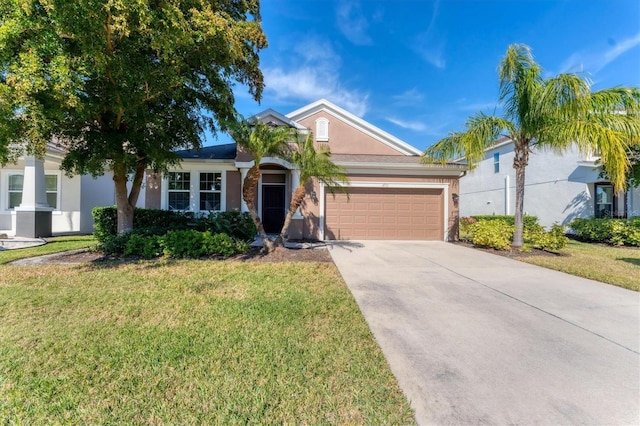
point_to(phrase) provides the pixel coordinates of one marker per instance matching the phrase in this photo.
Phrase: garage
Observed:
(374, 213)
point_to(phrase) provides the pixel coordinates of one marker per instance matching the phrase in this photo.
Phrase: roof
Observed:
(391, 162)
(215, 152)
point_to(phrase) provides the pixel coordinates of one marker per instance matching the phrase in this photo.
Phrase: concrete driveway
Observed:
(475, 338)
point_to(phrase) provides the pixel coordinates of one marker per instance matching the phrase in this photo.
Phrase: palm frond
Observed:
(481, 132)
(315, 162)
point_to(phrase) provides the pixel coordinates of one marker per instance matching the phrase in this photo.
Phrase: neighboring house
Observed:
(558, 187)
(391, 195)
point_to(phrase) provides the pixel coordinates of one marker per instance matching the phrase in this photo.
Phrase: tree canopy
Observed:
(122, 84)
(554, 113)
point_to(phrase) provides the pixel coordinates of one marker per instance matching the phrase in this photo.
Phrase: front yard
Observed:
(184, 342)
(619, 266)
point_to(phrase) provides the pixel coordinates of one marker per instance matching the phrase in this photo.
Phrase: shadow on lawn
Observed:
(631, 260)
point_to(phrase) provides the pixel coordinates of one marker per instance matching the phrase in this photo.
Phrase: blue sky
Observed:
(418, 69)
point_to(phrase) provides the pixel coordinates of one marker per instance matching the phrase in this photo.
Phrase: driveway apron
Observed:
(475, 338)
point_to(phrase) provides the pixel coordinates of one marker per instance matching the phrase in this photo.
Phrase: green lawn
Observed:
(619, 266)
(54, 245)
(186, 342)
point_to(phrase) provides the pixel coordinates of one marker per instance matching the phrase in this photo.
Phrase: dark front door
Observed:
(273, 209)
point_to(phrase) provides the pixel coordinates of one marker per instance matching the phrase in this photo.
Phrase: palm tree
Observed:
(259, 140)
(553, 112)
(313, 163)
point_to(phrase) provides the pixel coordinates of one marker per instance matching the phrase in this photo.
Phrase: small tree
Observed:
(313, 163)
(259, 140)
(551, 113)
(120, 85)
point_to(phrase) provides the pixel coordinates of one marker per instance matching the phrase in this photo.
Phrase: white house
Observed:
(558, 187)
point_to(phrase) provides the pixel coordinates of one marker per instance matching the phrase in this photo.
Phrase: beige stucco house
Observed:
(391, 195)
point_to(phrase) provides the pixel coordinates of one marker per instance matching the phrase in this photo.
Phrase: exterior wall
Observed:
(234, 193)
(558, 187)
(67, 218)
(94, 193)
(153, 191)
(344, 139)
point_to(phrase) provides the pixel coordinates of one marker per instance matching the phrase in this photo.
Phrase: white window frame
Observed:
(204, 191)
(187, 191)
(4, 200)
(194, 189)
(322, 129)
(496, 162)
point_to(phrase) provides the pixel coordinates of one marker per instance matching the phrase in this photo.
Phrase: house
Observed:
(390, 194)
(558, 187)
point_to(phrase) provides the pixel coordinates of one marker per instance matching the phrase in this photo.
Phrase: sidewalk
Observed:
(12, 243)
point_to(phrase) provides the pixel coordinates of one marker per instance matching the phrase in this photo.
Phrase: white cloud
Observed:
(314, 75)
(593, 60)
(429, 46)
(409, 98)
(417, 126)
(352, 23)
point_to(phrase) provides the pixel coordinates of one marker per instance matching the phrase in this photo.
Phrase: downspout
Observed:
(507, 199)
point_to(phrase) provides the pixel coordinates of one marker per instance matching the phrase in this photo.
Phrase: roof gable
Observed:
(270, 116)
(365, 127)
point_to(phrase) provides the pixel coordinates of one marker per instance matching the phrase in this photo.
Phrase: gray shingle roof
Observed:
(216, 152)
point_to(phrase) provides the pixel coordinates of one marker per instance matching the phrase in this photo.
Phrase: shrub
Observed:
(609, 231)
(235, 224)
(157, 222)
(145, 246)
(495, 234)
(527, 220)
(554, 240)
(183, 243)
(218, 245)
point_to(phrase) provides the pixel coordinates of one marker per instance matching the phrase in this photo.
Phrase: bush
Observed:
(157, 222)
(235, 224)
(145, 246)
(495, 234)
(194, 244)
(527, 220)
(610, 231)
(554, 240)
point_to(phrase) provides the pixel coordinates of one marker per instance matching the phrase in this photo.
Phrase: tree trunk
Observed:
(126, 200)
(249, 195)
(520, 161)
(296, 202)
(124, 208)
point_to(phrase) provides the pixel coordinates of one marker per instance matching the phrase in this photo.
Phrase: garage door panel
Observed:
(386, 213)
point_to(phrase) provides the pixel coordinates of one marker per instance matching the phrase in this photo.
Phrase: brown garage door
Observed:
(385, 214)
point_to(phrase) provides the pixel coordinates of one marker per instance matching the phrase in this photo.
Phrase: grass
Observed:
(186, 342)
(54, 245)
(619, 266)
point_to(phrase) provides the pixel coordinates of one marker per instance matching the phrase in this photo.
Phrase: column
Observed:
(33, 216)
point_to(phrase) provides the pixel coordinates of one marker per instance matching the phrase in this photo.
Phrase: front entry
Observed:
(273, 208)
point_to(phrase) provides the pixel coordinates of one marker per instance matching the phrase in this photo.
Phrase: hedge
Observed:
(609, 231)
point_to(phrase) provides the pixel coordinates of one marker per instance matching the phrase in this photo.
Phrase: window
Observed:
(179, 190)
(604, 200)
(210, 191)
(16, 183)
(496, 162)
(51, 184)
(15, 190)
(322, 130)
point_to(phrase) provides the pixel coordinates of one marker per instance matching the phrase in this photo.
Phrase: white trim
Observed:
(416, 185)
(355, 122)
(264, 115)
(4, 189)
(266, 160)
(194, 189)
